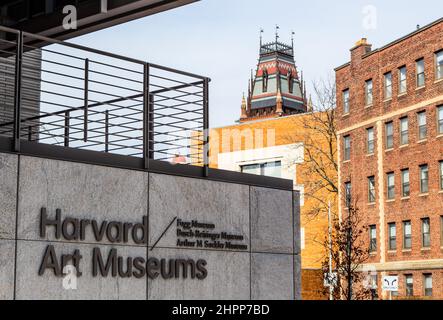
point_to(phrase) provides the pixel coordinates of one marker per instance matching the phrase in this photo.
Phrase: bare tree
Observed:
(347, 248)
(348, 252)
(319, 136)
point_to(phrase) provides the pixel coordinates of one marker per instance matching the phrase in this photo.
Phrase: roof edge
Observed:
(392, 43)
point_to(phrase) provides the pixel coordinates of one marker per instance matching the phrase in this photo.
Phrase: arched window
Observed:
(265, 80)
(290, 82)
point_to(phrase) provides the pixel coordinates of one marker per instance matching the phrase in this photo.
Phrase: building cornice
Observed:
(390, 44)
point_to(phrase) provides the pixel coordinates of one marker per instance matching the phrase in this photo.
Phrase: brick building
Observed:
(390, 122)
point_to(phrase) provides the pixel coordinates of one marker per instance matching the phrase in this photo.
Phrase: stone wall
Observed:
(267, 218)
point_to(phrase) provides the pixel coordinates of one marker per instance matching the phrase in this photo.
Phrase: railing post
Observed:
(206, 127)
(29, 133)
(106, 131)
(151, 126)
(146, 116)
(18, 92)
(86, 102)
(67, 124)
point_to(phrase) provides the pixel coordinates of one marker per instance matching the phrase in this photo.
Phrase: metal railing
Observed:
(77, 97)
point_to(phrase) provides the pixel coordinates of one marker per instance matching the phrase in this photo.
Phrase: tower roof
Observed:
(277, 48)
(276, 77)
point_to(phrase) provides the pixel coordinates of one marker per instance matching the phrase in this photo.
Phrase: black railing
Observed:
(77, 97)
(277, 47)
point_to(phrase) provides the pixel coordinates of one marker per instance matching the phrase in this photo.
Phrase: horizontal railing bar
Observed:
(77, 108)
(116, 67)
(156, 66)
(80, 47)
(196, 111)
(175, 88)
(194, 84)
(116, 77)
(177, 131)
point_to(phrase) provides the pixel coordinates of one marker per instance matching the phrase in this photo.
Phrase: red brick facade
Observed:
(419, 260)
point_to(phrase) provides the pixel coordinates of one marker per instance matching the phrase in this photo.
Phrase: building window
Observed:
(407, 235)
(347, 147)
(409, 285)
(372, 238)
(346, 102)
(441, 175)
(371, 189)
(370, 140)
(402, 79)
(405, 186)
(440, 119)
(290, 82)
(421, 73)
(391, 185)
(424, 179)
(348, 194)
(422, 125)
(439, 65)
(369, 92)
(427, 279)
(404, 131)
(426, 232)
(389, 135)
(441, 231)
(269, 169)
(265, 80)
(388, 85)
(392, 230)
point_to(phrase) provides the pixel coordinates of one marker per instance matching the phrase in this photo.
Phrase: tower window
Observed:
(265, 80)
(290, 82)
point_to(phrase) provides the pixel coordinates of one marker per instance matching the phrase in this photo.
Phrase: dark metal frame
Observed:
(167, 111)
(120, 11)
(65, 151)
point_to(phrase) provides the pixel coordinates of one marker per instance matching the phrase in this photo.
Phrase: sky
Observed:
(220, 38)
